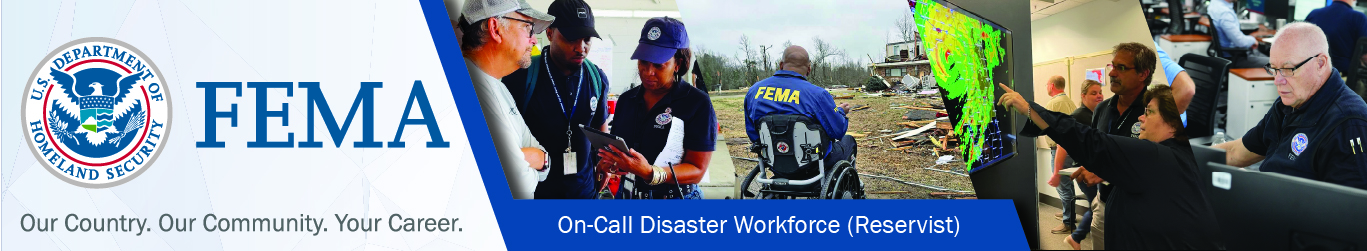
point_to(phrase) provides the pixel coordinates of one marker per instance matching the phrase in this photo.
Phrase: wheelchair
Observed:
(790, 149)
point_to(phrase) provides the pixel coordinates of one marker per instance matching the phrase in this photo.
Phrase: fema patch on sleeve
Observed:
(1299, 143)
(96, 112)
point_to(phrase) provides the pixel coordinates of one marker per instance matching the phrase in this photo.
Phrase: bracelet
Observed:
(657, 175)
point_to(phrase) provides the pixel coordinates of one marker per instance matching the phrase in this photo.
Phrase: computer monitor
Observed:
(1274, 9)
(1255, 5)
(1272, 211)
(1205, 154)
(969, 55)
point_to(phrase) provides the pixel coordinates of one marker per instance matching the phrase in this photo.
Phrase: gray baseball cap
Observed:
(476, 10)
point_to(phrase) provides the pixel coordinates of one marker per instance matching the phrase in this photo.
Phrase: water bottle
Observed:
(1218, 138)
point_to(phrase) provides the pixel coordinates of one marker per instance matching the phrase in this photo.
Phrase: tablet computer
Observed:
(600, 140)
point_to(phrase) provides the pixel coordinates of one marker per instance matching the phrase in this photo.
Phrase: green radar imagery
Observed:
(967, 59)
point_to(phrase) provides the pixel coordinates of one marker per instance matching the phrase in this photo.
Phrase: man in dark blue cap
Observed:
(559, 92)
(788, 92)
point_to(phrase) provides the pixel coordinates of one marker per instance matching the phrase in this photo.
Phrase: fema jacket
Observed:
(1322, 140)
(788, 92)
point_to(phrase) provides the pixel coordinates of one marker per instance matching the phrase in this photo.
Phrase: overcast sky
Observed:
(859, 27)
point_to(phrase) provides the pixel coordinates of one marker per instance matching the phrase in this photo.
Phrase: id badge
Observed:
(571, 163)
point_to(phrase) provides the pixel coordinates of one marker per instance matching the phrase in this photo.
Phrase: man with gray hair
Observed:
(788, 92)
(1315, 131)
(495, 40)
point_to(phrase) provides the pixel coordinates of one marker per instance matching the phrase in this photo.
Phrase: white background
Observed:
(337, 43)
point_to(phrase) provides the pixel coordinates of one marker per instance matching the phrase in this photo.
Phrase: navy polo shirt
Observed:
(639, 127)
(1342, 27)
(1319, 141)
(547, 121)
(1110, 120)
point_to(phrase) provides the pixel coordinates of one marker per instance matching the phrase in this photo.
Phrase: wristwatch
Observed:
(546, 161)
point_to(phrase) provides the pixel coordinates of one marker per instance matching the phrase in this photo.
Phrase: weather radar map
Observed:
(968, 60)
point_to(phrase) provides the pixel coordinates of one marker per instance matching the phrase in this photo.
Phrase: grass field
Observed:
(873, 158)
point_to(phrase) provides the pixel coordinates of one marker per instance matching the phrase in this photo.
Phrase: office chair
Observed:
(1217, 50)
(1176, 21)
(1208, 74)
(1357, 73)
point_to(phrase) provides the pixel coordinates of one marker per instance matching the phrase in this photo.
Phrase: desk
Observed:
(1251, 94)
(1256, 34)
(1178, 45)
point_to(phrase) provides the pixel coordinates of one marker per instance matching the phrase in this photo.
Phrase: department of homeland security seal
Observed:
(1299, 143)
(1136, 129)
(653, 34)
(96, 112)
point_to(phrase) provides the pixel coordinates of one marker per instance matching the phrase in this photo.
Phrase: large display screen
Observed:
(969, 55)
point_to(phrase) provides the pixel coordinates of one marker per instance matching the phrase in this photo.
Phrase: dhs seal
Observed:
(653, 34)
(96, 112)
(1299, 143)
(1136, 129)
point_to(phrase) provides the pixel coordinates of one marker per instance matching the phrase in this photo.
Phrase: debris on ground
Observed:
(901, 139)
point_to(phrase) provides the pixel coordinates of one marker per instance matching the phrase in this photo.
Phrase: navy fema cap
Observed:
(660, 39)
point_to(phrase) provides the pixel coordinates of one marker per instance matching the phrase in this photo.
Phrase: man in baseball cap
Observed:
(560, 92)
(496, 39)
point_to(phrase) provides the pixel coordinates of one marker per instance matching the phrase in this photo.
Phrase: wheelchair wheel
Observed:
(749, 188)
(846, 184)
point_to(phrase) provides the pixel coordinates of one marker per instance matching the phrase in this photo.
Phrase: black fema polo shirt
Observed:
(639, 127)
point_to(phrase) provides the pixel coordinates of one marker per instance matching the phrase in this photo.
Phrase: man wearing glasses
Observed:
(495, 40)
(1316, 131)
(1130, 71)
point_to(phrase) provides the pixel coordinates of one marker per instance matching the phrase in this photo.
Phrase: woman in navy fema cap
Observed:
(668, 124)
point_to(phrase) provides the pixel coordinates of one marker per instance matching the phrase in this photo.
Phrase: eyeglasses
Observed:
(529, 23)
(1113, 67)
(1287, 72)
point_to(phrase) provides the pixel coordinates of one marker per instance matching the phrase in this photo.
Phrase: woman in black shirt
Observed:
(666, 167)
(1157, 202)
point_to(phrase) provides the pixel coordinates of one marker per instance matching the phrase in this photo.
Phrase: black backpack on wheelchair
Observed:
(791, 147)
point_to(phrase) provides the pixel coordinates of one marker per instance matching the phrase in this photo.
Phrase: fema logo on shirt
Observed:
(96, 112)
(1299, 143)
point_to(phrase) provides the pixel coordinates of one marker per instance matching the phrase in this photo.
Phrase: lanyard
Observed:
(1123, 116)
(569, 124)
(575, 97)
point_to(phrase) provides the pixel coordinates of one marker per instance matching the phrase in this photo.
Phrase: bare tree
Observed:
(764, 56)
(907, 26)
(748, 60)
(823, 51)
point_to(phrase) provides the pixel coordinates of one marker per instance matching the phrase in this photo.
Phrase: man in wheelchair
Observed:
(798, 131)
